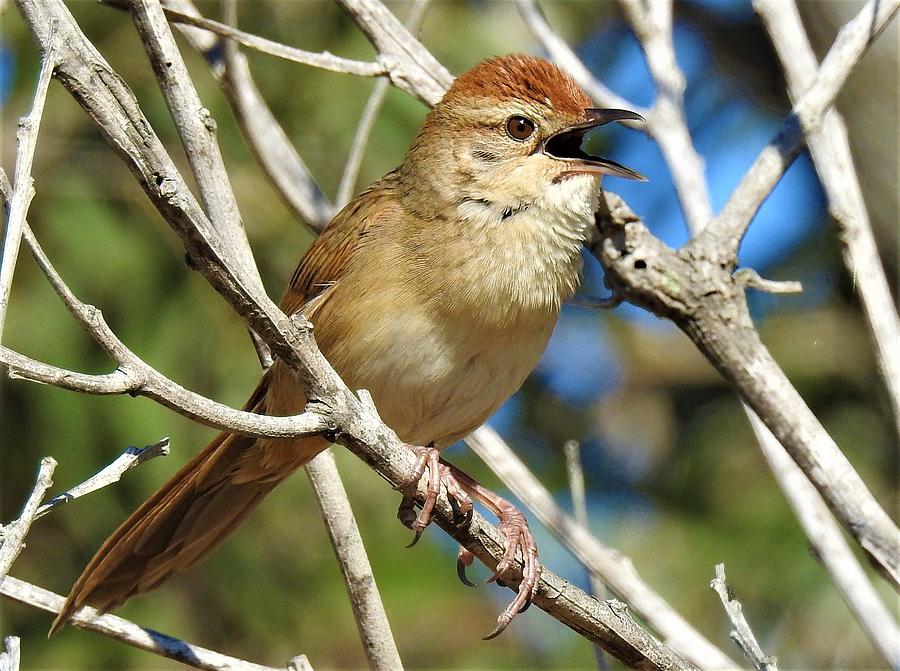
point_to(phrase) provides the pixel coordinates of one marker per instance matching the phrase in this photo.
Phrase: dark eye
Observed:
(519, 128)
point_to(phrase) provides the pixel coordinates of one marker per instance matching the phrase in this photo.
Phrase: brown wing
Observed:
(324, 262)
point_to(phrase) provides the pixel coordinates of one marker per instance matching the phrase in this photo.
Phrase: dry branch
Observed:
(368, 609)
(741, 632)
(614, 568)
(805, 119)
(23, 192)
(10, 658)
(127, 632)
(831, 156)
(830, 548)
(109, 102)
(12, 536)
(697, 291)
(108, 475)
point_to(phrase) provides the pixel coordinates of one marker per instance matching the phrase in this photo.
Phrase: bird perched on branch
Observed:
(436, 290)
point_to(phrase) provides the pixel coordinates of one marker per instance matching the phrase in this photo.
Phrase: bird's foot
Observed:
(438, 473)
(516, 536)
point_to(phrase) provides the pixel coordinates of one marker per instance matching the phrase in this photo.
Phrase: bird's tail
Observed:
(188, 518)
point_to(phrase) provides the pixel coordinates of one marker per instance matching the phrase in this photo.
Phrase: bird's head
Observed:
(507, 131)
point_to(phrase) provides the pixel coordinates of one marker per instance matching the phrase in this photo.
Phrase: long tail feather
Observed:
(187, 519)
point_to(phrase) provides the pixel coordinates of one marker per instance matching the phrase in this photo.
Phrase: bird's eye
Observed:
(519, 128)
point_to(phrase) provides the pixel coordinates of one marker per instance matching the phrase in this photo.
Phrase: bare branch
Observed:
(652, 23)
(804, 120)
(299, 663)
(127, 632)
(749, 278)
(322, 60)
(370, 113)
(109, 474)
(579, 505)
(197, 130)
(368, 609)
(26, 139)
(690, 287)
(269, 143)
(411, 66)
(134, 376)
(12, 536)
(10, 658)
(829, 546)
(831, 155)
(575, 472)
(741, 633)
(615, 569)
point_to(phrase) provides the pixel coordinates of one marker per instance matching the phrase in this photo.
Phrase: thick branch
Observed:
(692, 288)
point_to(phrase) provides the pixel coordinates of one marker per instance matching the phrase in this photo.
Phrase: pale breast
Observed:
(433, 379)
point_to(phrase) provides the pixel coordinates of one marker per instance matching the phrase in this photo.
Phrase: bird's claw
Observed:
(438, 473)
(516, 535)
(464, 558)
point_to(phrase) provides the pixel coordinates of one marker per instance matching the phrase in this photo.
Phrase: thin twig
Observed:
(12, 536)
(126, 632)
(268, 141)
(829, 546)
(833, 160)
(652, 23)
(747, 277)
(370, 113)
(322, 60)
(804, 120)
(741, 633)
(614, 568)
(368, 609)
(11, 657)
(109, 474)
(23, 192)
(572, 450)
(579, 503)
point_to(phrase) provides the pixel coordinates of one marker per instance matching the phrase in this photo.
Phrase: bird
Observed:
(436, 289)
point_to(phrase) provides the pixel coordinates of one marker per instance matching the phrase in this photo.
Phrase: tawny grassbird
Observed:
(436, 290)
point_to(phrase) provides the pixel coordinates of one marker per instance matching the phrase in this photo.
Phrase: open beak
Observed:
(566, 146)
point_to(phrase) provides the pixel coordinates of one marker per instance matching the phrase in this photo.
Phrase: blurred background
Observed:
(675, 479)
